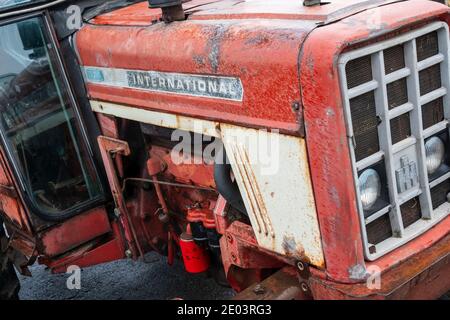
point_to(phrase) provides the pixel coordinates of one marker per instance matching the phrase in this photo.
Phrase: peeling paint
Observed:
(214, 43)
(357, 272)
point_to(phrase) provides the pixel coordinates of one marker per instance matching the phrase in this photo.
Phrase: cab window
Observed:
(39, 124)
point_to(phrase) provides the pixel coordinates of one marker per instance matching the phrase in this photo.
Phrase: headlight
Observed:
(435, 152)
(369, 188)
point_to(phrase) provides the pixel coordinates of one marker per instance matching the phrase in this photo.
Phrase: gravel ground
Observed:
(124, 279)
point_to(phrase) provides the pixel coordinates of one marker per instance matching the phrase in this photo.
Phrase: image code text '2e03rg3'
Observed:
(290, 149)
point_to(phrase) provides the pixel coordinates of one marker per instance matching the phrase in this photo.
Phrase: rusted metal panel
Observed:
(419, 244)
(328, 151)
(74, 232)
(90, 254)
(426, 275)
(225, 48)
(283, 285)
(276, 189)
(10, 202)
(240, 252)
(19, 247)
(108, 125)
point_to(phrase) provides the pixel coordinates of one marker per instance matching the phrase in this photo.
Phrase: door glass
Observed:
(39, 123)
(6, 4)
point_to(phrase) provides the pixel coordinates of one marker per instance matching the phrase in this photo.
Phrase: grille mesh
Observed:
(365, 125)
(397, 93)
(400, 128)
(430, 79)
(432, 113)
(439, 194)
(427, 46)
(379, 230)
(394, 59)
(411, 212)
(359, 71)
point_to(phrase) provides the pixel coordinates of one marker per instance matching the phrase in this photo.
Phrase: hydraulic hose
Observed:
(225, 185)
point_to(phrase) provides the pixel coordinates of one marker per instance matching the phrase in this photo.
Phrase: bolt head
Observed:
(259, 289)
(304, 287)
(128, 253)
(295, 106)
(300, 266)
(164, 218)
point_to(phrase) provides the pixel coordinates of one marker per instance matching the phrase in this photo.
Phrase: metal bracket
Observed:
(108, 147)
(303, 277)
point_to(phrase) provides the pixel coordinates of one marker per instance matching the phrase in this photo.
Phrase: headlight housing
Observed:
(369, 188)
(435, 154)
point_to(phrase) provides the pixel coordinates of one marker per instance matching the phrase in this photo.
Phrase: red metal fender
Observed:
(426, 275)
(74, 232)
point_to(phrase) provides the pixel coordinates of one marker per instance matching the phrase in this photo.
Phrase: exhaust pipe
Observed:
(172, 10)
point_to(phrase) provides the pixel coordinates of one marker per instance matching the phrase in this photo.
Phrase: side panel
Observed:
(273, 176)
(74, 232)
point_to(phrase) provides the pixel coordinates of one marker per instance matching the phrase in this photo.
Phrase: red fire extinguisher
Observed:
(196, 258)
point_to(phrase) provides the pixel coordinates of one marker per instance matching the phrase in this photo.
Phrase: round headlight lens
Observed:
(369, 188)
(435, 152)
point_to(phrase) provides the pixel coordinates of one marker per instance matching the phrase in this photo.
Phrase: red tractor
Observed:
(291, 149)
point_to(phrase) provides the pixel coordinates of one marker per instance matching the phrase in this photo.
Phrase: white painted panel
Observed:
(277, 193)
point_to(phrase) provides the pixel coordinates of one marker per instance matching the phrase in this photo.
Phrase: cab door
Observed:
(44, 146)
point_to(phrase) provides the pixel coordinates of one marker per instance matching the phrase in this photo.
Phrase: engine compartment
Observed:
(173, 199)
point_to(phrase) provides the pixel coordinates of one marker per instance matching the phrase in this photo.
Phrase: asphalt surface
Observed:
(125, 279)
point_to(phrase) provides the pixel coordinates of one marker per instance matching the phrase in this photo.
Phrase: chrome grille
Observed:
(396, 97)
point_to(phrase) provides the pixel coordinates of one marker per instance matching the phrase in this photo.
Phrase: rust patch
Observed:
(357, 272)
(199, 61)
(214, 43)
(291, 248)
(260, 39)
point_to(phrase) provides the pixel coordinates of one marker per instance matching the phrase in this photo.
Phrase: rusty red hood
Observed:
(251, 48)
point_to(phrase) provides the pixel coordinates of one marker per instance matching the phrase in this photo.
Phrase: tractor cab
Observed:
(51, 191)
